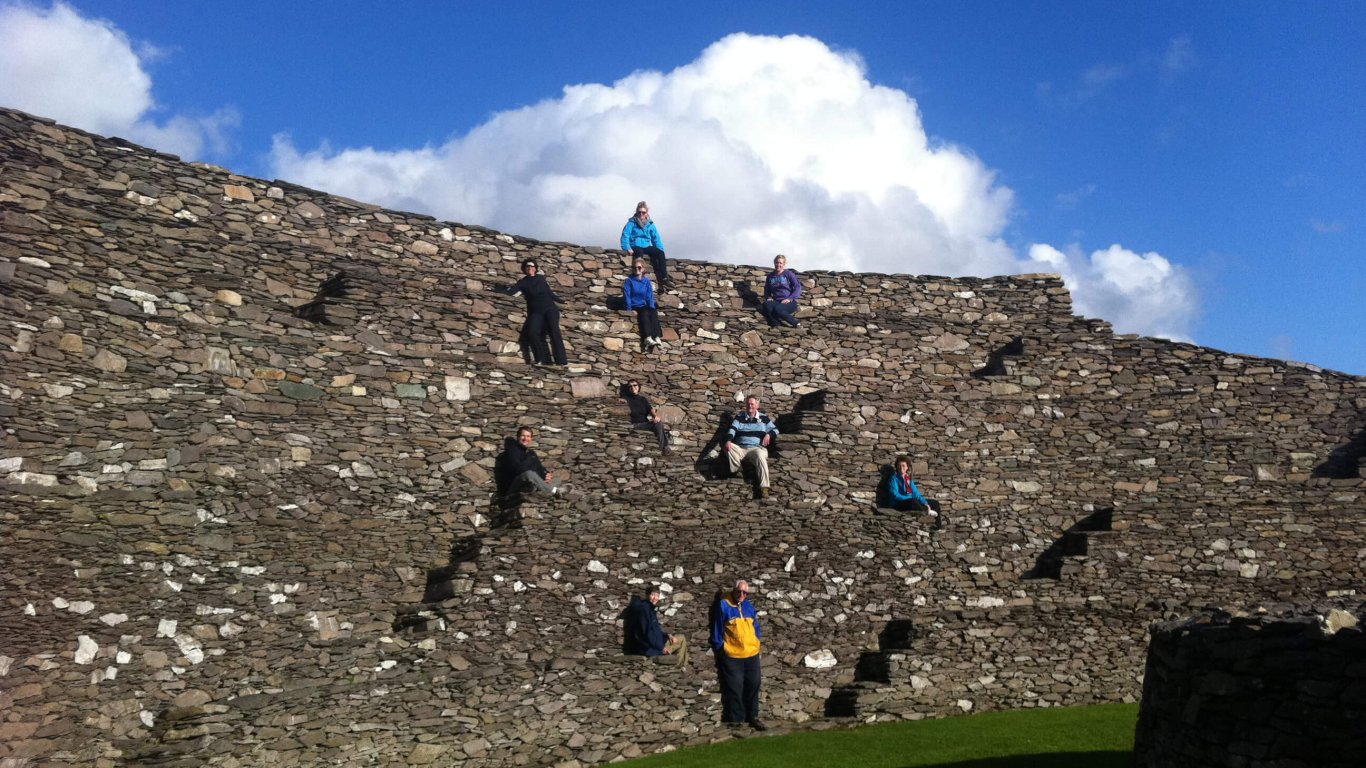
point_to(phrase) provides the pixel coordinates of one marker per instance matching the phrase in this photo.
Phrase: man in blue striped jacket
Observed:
(747, 442)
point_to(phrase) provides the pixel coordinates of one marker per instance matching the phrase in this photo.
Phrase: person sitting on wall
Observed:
(642, 634)
(518, 469)
(644, 416)
(542, 316)
(747, 442)
(639, 293)
(640, 237)
(903, 495)
(782, 288)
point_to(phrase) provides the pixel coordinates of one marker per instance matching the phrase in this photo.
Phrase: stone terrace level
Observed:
(245, 484)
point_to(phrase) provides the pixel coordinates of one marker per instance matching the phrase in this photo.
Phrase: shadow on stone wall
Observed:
(1074, 542)
(1347, 461)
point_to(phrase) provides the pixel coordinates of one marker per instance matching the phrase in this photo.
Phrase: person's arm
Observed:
(626, 236)
(516, 288)
(771, 432)
(718, 631)
(915, 494)
(649, 300)
(768, 289)
(655, 239)
(655, 633)
(794, 285)
(629, 292)
(754, 616)
(730, 435)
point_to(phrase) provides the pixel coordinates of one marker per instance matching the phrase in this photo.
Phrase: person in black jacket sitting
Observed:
(642, 634)
(542, 316)
(519, 468)
(644, 416)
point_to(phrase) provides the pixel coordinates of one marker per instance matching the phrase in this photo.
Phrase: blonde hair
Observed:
(645, 205)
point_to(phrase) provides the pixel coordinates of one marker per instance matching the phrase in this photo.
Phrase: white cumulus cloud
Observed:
(85, 72)
(1136, 292)
(762, 145)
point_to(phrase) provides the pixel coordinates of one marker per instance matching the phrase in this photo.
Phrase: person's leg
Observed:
(731, 676)
(529, 479)
(751, 688)
(660, 264)
(767, 310)
(786, 312)
(643, 324)
(552, 327)
(652, 322)
(758, 457)
(937, 512)
(533, 334)
(734, 457)
(678, 647)
(662, 434)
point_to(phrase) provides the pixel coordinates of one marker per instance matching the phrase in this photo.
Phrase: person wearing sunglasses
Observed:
(542, 316)
(640, 237)
(640, 296)
(735, 637)
(644, 416)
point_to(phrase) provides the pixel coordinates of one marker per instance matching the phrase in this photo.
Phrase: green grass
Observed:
(1079, 737)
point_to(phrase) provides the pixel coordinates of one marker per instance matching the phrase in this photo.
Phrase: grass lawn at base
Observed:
(1074, 737)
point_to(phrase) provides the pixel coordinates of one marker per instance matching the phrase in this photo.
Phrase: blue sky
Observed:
(1195, 170)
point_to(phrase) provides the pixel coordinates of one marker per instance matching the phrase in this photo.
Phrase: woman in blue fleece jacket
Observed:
(904, 496)
(640, 237)
(640, 296)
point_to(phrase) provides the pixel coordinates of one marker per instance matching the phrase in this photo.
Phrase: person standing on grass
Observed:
(735, 641)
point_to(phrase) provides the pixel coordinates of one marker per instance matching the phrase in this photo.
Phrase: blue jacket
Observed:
(735, 629)
(639, 292)
(782, 286)
(900, 492)
(748, 431)
(641, 633)
(634, 235)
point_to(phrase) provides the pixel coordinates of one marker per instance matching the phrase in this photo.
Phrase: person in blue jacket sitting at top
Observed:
(782, 288)
(904, 496)
(640, 237)
(640, 296)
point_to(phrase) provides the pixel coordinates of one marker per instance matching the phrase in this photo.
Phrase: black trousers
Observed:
(739, 680)
(661, 431)
(656, 259)
(538, 326)
(648, 317)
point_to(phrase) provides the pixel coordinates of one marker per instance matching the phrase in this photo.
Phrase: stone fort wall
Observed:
(245, 484)
(1268, 688)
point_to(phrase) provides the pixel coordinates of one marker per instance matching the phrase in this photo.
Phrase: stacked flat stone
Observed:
(1265, 688)
(249, 433)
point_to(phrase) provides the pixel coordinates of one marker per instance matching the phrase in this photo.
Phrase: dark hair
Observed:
(520, 430)
(529, 263)
(653, 589)
(896, 463)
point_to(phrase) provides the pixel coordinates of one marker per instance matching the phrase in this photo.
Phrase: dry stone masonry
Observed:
(1263, 690)
(246, 484)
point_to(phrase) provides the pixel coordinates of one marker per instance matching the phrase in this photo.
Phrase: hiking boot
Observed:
(763, 493)
(758, 725)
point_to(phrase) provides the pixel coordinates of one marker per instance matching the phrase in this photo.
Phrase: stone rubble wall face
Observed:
(1253, 692)
(221, 517)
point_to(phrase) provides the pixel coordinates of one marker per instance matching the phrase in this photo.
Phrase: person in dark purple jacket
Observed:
(782, 288)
